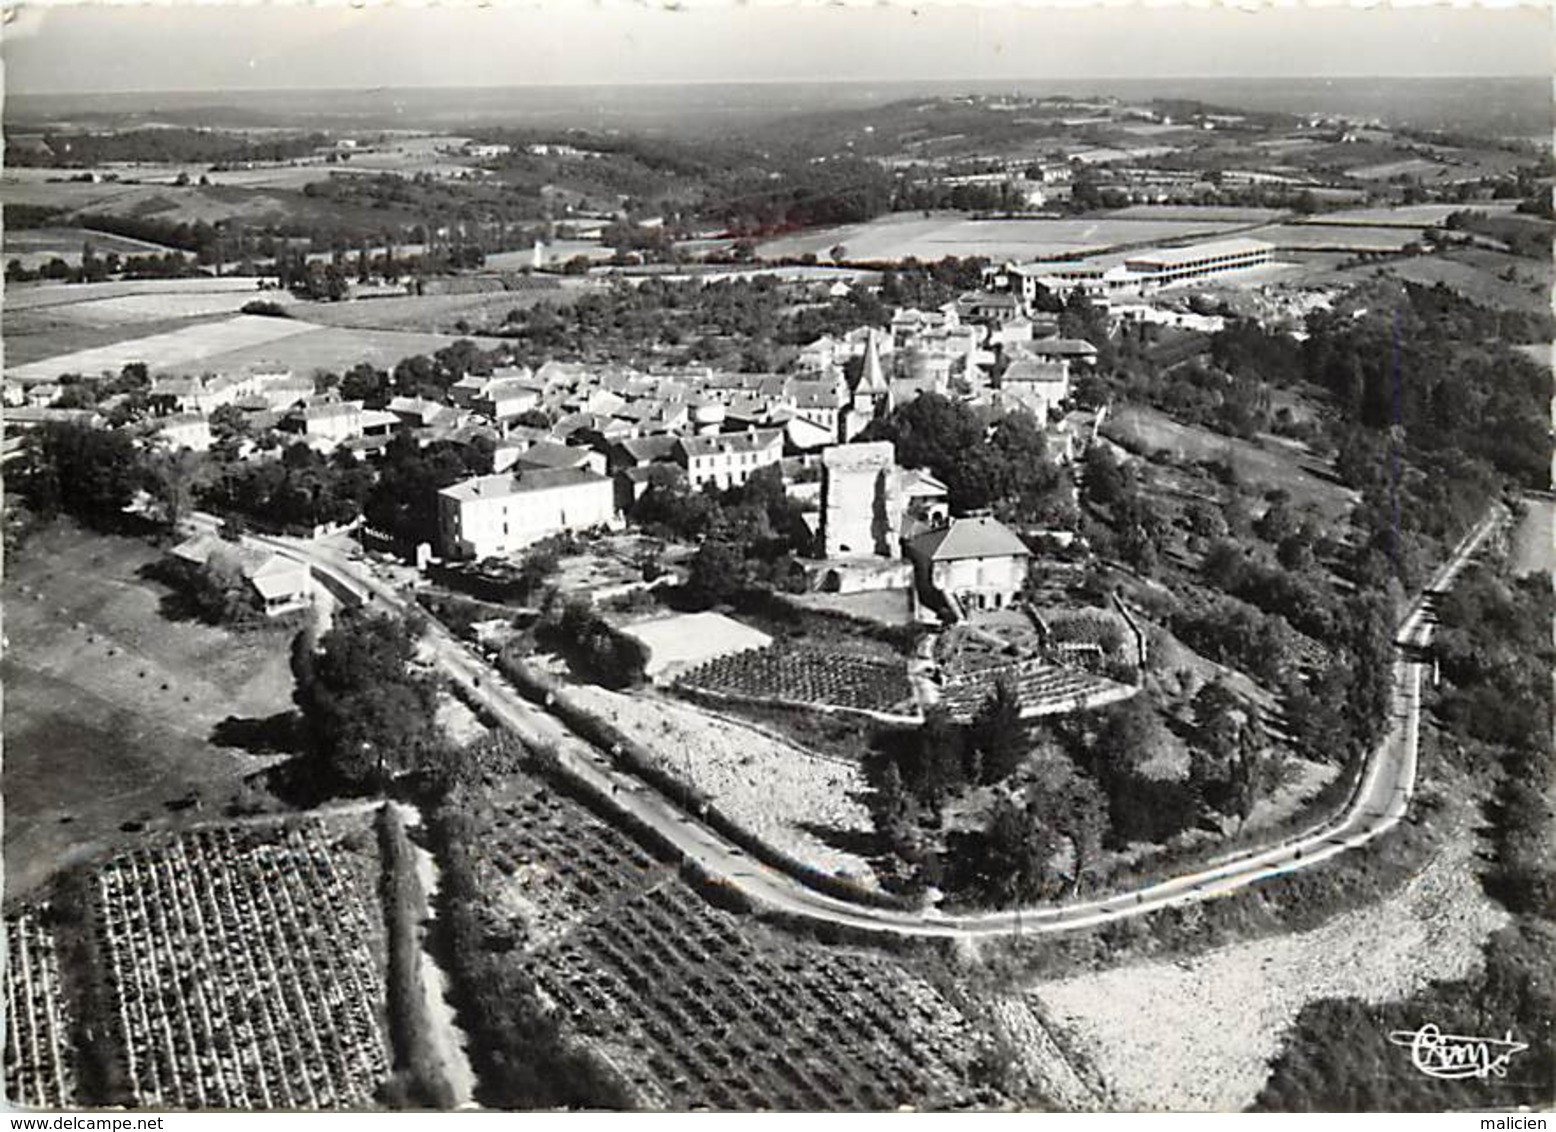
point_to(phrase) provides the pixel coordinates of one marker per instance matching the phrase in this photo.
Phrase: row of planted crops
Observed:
(233, 967)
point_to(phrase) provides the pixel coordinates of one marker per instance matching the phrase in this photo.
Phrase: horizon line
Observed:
(787, 81)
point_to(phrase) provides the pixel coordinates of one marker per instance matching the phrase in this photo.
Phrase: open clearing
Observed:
(1200, 1035)
(688, 639)
(1484, 282)
(1147, 431)
(806, 805)
(109, 706)
(951, 234)
(1534, 543)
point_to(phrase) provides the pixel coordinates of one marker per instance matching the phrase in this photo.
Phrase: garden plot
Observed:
(1041, 689)
(692, 638)
(39, 1071)
(822, 678)
(789, 797)
(700, 1010)
(243, 966)
(555, 863)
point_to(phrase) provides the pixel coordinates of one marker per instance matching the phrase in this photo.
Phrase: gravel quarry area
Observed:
(776, 790)
(1199, 1035)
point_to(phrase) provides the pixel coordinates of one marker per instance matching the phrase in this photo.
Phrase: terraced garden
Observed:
(1043, 688)
(803, 675)
(38, 1066)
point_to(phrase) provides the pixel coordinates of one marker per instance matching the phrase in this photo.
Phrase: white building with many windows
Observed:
(487, 516)
(729, 459)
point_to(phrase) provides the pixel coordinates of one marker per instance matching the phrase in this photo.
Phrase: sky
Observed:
(75, 48)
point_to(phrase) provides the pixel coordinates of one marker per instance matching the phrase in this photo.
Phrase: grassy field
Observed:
(234, 344)
(951, 234)
(327, 348)
(1266, 464)
(35, 335)
(1482, 277)
(110, 706)
(36, 246)
(427, 314)
(64, 296)
(1336, 237)
(193, 348)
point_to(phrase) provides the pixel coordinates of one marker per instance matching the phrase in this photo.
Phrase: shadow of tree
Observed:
(278, 734)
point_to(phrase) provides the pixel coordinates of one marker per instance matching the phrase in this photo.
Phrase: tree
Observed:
(718, 571)
(171, 478)
(998, 734)
(89, 472)
(369, 713)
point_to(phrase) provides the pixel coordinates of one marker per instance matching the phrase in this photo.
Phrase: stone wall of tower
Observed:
(862, 500)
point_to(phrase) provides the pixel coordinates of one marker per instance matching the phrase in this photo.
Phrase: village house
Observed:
(970, 564)
(728, 460)
(184, 430)
(278, 584)
(488, 516)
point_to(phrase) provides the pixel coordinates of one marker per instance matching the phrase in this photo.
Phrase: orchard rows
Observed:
(38, 1072)
(243, 972)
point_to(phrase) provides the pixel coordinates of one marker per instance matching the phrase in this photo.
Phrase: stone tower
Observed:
(861, 500)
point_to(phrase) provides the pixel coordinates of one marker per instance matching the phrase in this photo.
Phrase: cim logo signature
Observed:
(1455, 1056)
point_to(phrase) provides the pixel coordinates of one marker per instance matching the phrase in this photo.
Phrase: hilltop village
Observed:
(820, 628)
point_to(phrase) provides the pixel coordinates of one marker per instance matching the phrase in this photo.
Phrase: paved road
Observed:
(1381, 800)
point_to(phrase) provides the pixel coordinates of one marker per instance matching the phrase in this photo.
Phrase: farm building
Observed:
(970, 564)
(280, 585)
(488, 516)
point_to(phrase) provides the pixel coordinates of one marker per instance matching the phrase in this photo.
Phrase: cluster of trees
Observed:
(87, 472)
(403, 502)
(1085, 783)
(597, 650)
(173, 145)
(94, 268)
(298, 491)
(368, 712)
(748, 536)
(1132, 529)
(1002, 464)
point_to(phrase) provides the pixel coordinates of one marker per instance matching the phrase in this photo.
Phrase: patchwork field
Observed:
(111, 707)
(31, 296)
(951, 234)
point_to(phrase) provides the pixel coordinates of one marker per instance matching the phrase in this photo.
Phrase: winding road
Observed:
(1379, 802)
